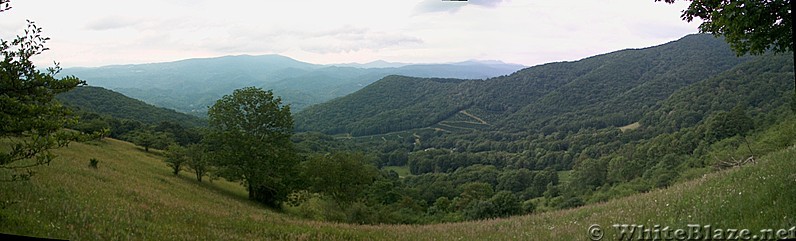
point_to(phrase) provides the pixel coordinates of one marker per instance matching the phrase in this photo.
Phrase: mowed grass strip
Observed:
(133, 195)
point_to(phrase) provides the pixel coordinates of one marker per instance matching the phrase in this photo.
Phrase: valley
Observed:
(622, 126)
(549, 137)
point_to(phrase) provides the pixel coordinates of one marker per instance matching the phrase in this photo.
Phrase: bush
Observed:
(93, 163)
(505, 204)
(528, 206)
(480, 210)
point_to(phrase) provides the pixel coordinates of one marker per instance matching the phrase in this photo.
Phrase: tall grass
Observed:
(133, 195)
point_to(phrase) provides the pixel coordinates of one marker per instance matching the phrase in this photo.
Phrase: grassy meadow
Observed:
(134, 196)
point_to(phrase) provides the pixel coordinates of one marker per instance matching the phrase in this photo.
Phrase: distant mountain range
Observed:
(374, 64)
(191, 85)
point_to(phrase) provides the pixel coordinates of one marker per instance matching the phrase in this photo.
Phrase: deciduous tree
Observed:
(250, 132)
(31, 119)
(176, 156)
(198, 160)
(343, 176)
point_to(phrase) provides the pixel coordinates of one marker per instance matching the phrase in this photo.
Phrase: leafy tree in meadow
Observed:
(31, 119)
(176, 157)
(91, 125)
(250, 131)
(182, 135)
(198, 160)
(144, 139)
(150, 139)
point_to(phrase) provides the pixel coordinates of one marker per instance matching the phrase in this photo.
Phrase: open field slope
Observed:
(132, 195)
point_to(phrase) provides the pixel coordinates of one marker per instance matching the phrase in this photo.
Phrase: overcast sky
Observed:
(529, 32)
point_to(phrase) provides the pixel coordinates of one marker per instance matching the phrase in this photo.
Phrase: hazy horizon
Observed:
(340, 32)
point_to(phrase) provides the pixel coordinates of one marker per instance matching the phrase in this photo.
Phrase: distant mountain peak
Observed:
(373, 64)
(484, 62)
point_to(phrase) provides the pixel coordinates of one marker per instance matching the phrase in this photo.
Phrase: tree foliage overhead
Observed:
(250, 131)
(749, 26)
(5, 5)
(30, 117)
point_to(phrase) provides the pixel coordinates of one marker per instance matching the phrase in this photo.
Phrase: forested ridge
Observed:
(103, 101)
(609, 90)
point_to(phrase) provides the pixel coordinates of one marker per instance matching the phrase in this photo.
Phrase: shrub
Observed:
(93, 162)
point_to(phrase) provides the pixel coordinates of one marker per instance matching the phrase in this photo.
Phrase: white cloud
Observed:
(111, 22)
(353, 42)
(430, 6)
(322, 31)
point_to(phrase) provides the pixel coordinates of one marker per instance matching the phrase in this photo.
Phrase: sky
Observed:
(89, 33)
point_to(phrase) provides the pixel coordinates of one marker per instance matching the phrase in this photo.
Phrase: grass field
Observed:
(403, 171)
(630, 127)
(132, 195)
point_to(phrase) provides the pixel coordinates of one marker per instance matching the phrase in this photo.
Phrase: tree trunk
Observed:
(251, 192)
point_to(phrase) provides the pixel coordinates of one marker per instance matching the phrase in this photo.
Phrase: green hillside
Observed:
(761, 85)
(563, 135)
(133, 195)
(107, 102)
(377, 108)
(613, 89)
